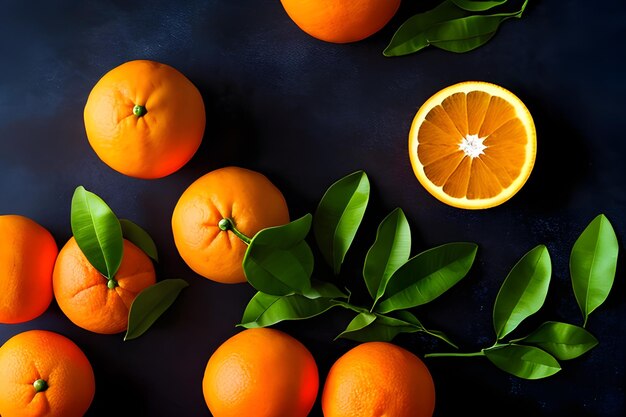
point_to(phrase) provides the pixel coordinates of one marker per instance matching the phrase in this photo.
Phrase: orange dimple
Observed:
(82, 293)
(246, 197)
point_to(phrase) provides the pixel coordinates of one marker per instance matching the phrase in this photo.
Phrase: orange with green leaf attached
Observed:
(44, 374)
(92, 301)
(145, 119)
(218, 214)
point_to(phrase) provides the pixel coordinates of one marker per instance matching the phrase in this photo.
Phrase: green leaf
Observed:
(593, 262)
(410, 318)
(465, 34)
(323, 289)
(448, 27)
(466, 45)
(278, 261)
(564, 341)
(390, 251)
(139, 237)
(97, 232)
(368, 327)
(411, 35)
(523, 292)
(477, 6)
(150, 304)
(339, 215)
(526, 362)
(359, 322)
(265, 310)
(427, 275)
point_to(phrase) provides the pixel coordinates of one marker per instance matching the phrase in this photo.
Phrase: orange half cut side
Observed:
(472, 145)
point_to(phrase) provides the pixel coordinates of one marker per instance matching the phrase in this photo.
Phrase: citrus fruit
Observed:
(144, 119)
(27, 255)
(44, 374)
(378, 379)
(261, 372)
(88, 299)
(472, 145)
(341, 21)
(246, 198)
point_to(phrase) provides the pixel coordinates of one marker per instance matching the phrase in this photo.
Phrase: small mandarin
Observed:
(144, 119)
(378, 379)
(88, 299)
(27, 255)
(261, 372)
(44, 374)
(246, 198)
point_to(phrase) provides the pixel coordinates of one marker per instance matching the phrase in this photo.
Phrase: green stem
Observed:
(40, 385)
(139, 110)
(347, 305)
(111, 283)
(228, 224)
(439, 336)
(439, 355)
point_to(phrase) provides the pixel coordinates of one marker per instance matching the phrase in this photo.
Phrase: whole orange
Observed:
(145, 119)
(44, 374)
(341, 21)
(247, 198)
(88, 299)
(27, 255)
(261, 372)
(378, 379)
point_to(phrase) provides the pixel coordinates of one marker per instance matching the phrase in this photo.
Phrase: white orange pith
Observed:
(473, 144)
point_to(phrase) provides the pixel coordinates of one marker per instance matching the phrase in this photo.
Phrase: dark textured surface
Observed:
(306, 113)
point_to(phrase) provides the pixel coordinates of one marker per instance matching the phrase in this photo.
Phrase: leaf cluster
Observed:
(454, 26)
(593, 262)
(279, 264)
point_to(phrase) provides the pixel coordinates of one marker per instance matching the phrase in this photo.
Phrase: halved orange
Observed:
(472, 145)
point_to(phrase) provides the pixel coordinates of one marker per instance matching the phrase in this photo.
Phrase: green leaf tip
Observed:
(140, 238)
(150, 304)
(339, 215)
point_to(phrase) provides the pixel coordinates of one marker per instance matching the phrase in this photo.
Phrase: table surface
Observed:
(305, 113)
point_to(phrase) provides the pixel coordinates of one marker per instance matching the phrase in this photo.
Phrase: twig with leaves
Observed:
(279, 264)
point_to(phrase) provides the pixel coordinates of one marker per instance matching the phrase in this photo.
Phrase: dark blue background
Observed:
(305, 113)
